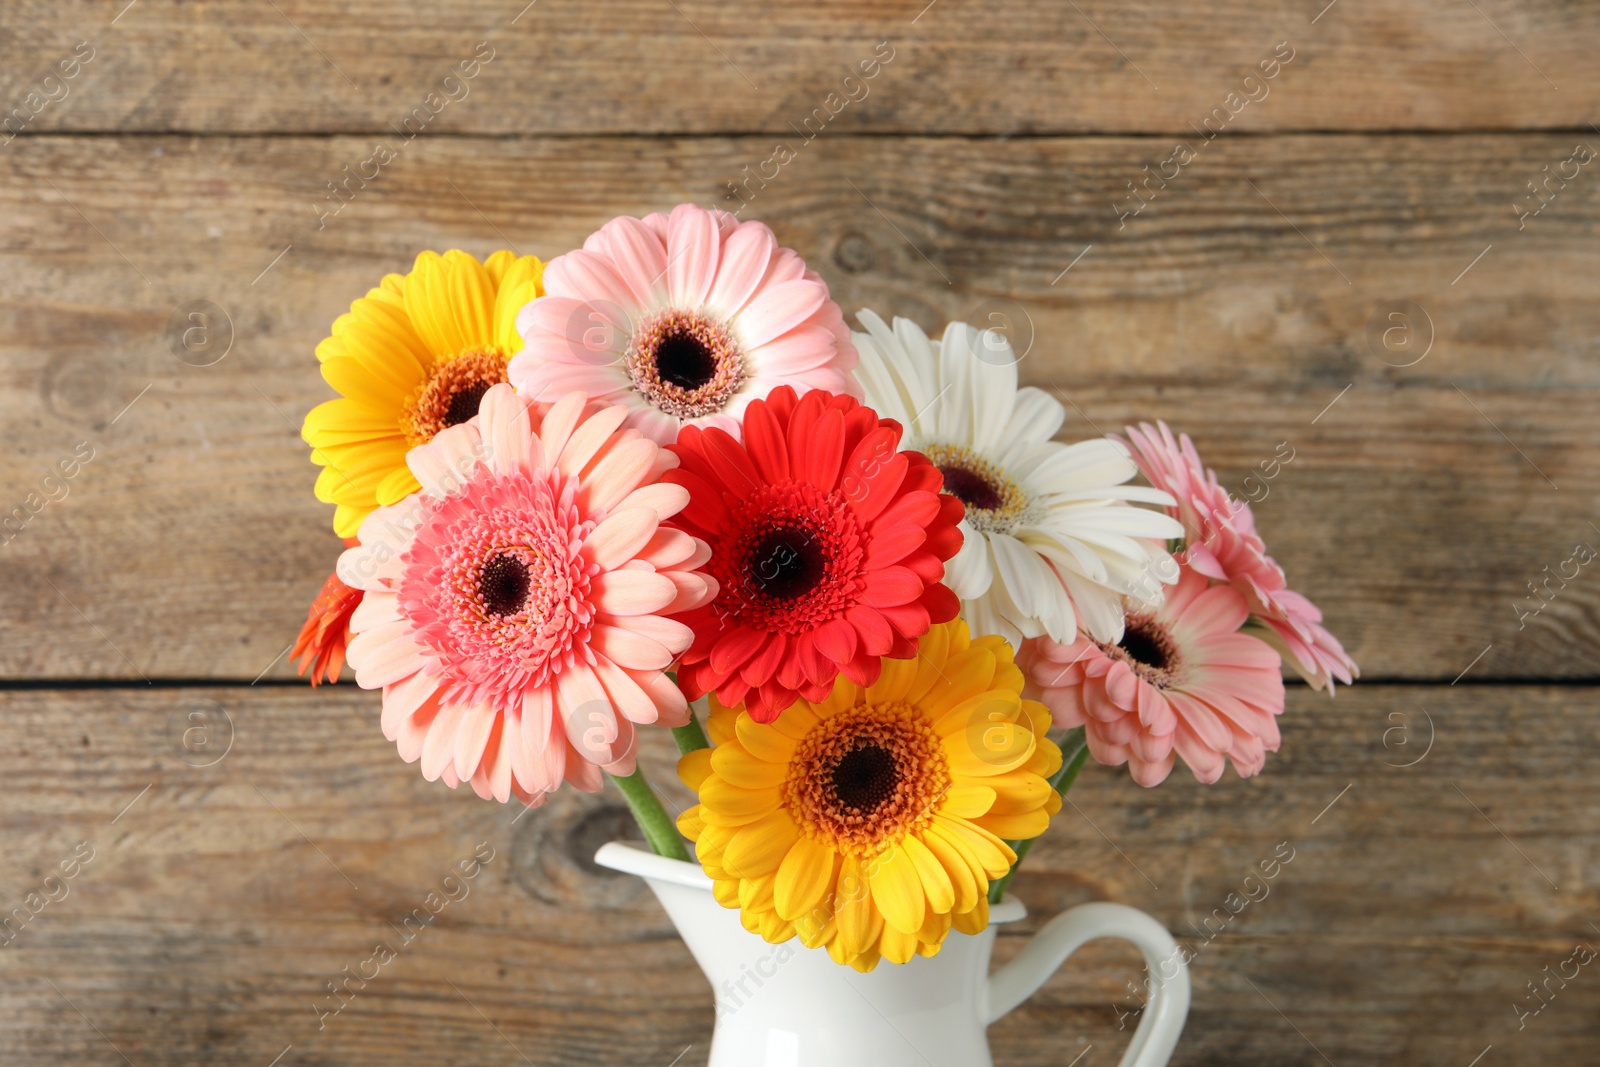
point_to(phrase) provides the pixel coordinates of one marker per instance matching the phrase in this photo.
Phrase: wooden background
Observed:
(1443, 813)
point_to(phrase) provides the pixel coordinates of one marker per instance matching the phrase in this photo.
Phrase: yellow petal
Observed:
(933, 649)
(963, 675)
(993, 854)
(967, 801)
(897, 889)
(400, 484)
(727, 805)
(689, 824)
(936, 885)
(1018, 791)
(957, 868)
(896, 946)
(803, 879)
(472, 296)
(796, 720)
(859, 922)
(348, 376)
(895, 677)
(758, 848)
(736, 766)
(764, 742)
(347, 519)
(1016, 827)
(695, 767)
(974, 921)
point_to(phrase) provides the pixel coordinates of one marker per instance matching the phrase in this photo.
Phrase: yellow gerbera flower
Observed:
(413, 356)
(872, 822)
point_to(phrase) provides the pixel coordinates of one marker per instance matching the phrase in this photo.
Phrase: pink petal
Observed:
(617, 474)
(694, 244)
(622, 535)
(628, 648)
(471, 737)
(778, 309)
(745, 256)
(632, 592)
(439, 748)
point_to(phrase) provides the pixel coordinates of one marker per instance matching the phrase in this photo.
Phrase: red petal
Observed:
(890, 586)
(873, 628)
(825, 451)
(689, 681)
(836, 639)
(911, 619)
(941, 603)
(734, 647)
(763, 440)
(706, 513)
(944, 541)
(761, 666)
(922, 474)
(893, 543)
(734, 471)
(819, 669)
(863, 670)
(925, 565)
(917, 506)
(732, 693)
(791, 670)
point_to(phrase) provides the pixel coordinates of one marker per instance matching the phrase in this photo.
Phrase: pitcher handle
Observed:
(1168, 1005)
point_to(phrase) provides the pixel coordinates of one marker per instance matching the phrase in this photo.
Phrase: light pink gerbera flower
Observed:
(513, 609)
(1221, 543)
(1183, 681)
(684, 319)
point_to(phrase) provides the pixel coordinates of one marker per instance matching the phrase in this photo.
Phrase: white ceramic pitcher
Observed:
(790, 1006)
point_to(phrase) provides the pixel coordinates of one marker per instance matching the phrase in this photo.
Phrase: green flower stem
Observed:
(690, 737)
(659, 829)
(1074, 754)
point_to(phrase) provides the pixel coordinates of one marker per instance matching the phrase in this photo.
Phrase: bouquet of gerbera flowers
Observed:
(580, 497)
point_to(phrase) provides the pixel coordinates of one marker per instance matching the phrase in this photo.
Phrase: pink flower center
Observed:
(496, 585)
(792, 559)
(1148, 649)
(685, 363)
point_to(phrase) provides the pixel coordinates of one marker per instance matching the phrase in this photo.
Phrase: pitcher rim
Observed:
(623, 856)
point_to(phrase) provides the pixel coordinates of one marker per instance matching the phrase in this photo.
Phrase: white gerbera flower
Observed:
(1049, 541)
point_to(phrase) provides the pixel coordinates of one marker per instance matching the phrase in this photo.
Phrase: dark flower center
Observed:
(1149, 649)
(1144, 648)
(971, 488)
(684, 363)
(865, 778)
(503, 585)
(786, 563)
(684, 360)
(464, 404)
(452, 393)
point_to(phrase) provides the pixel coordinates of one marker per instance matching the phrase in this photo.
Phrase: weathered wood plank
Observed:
(695, 67)
(1402, 929)
(1418, 509)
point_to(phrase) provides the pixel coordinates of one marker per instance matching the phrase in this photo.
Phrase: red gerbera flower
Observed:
(326, 633)
(828, 545)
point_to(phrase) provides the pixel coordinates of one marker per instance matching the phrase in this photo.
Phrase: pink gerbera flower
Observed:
(683, 319)
(1183, 681)
(514, 608)
(1221, 543)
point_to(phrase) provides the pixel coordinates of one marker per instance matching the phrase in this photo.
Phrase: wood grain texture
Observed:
(1421, 502)
(1012, 67)
(218, 904)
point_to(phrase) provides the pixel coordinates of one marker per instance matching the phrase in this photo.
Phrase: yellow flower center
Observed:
(452, 392)
(866, 778)
(994, 502)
